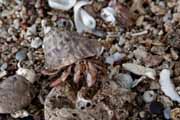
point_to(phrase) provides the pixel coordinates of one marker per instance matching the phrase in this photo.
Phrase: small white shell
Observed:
(62, 4)
(167, 86)
(83, 21)
(20, 114)
(140, 70)
(30, 75)
(108, 14)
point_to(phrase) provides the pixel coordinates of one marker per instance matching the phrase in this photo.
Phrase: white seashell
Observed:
(62, 4)
(167, 86)
(108, 14)
(20, 114)
(140, 70)
(83, 21)
(30, 75)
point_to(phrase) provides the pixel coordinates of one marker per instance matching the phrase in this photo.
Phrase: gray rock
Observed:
(124, 80)
(21, 55)
(16, 93)
(149, 96)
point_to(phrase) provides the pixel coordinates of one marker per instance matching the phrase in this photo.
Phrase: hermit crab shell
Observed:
(64, 48)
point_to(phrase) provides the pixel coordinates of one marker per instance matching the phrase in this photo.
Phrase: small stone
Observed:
(177, 69)
(124, 80)
(167, 113)
(16, 93)
(116, 57)
(3, 66)
(140, 53)
(122, 40)
(21, 55)
(31, 30)
(174, 54)
(149, 96)
(152, 60)
(16, 23)
(142, 114)
(158, 50)
(36, 43)
(154, 85)
(156, 107)
(3, 73)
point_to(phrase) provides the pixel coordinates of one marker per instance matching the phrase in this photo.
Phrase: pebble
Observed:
(114, 58)
(156, 107)
(167, 113)
(152, 60)
(21, 55)
(36, 43)
(140, 53)
(3, 66)
(149, 96)
(124, 80)
(122, 40)
(3, 73)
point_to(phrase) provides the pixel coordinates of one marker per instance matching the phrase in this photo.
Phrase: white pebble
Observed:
(36, 43)
(149, 96)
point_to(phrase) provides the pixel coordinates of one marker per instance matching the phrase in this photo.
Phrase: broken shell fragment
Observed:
(62, 4)
(140, 70)
(16, 93)
(108, 14)
(83, 21)
(30, 75)
(167, 86)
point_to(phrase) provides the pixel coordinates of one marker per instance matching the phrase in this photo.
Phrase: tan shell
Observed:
(16, 93)
(64, 48)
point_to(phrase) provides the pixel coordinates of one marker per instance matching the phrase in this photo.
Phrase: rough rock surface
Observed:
(106, 104)
(16, 93)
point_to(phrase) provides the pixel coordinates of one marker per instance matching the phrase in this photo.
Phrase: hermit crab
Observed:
(72, 54)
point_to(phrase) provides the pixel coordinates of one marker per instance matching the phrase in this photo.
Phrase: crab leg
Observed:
(78, 71)
(63, 77)
(91, 73)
